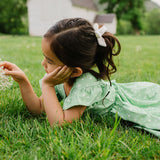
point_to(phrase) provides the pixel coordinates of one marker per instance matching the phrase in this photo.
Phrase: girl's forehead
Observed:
(46, 47)
(45, 43)
(48, 52)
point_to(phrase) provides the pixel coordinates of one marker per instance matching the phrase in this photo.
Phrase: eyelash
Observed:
(49, 62)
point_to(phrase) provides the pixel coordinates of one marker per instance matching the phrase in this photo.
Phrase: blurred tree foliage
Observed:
(130, 10)
(124, 27)
(152, 22)
(11, 16)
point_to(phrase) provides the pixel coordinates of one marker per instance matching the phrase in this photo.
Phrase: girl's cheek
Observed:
(50, 69)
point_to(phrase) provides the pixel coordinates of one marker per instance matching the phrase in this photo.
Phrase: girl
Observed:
(71, 48)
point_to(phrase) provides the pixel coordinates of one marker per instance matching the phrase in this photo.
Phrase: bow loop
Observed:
(99, 32)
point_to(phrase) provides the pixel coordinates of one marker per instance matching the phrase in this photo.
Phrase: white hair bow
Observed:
(99, 32)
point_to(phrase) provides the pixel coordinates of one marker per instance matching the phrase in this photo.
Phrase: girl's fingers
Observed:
(59, 75)
(58, 71)
(8, 65)
(5, 63)
(15, 74)
(55, 71)
(9, 73)
(68, 72)
(64, 72)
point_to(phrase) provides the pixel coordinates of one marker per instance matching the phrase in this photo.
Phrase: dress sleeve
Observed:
(57, 92)
(86, 96)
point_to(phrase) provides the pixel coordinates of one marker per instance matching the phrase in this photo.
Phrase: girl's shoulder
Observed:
(86, 91)
(88, 81)
(85, 80)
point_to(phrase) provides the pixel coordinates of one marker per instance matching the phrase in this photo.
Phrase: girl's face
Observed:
(50, 61)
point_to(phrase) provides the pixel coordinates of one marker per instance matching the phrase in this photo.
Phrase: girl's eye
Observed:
(49, 62)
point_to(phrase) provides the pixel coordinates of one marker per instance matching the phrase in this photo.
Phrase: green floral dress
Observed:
(138, 102)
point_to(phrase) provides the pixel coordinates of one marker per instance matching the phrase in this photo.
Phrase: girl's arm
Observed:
(31, 100)
(54, 110)
(52, 106)
(29, 97)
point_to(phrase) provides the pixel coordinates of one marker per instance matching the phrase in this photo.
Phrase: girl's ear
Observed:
(76, 72)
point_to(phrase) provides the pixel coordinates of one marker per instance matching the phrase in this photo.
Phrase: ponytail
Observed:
(104, 56)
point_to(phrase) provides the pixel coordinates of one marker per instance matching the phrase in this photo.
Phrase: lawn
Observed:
(25, 137)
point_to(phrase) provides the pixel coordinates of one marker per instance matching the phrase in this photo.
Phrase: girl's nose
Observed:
(43, 63)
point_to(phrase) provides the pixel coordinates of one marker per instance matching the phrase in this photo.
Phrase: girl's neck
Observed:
(67, 88)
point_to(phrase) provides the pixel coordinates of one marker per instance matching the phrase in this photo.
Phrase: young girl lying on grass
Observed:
(71, 48)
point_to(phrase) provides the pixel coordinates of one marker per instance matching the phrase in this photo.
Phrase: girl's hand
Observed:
(11, 69)
(58, 76)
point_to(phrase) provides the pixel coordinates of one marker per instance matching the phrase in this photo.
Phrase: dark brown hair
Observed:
(75, 44)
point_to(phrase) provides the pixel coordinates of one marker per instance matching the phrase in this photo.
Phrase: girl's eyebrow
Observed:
(49, 59)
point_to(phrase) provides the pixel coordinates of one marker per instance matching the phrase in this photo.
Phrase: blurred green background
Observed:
(133, 17)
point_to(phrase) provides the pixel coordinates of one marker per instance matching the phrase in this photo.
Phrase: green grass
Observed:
(25, 137)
